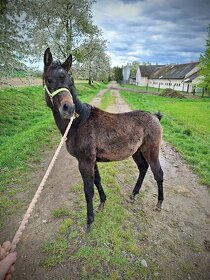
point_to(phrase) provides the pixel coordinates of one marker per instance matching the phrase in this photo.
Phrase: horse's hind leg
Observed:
(97, 182)
(158, 175)
(143, 167)
(153, 159)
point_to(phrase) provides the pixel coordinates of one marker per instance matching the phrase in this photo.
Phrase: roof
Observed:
(177, 71)
(191, 77)
(147, 70)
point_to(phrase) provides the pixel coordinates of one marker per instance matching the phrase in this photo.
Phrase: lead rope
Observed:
(31, 206)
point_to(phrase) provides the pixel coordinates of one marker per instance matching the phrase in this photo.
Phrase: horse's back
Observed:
(125, 122)
(118, 136)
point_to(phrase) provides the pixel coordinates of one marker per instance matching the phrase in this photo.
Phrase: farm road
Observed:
(177, 238)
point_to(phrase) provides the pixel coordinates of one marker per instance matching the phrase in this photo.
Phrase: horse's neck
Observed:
(61, 123)
(83, 110)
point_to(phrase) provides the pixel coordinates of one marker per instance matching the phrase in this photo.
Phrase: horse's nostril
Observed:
(65, 107)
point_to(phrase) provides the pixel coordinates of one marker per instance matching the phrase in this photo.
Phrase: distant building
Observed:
(126, 73)
(182, 77)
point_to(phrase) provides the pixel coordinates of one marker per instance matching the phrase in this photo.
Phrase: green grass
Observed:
(107, 100)
(86, 92)
(25, 126)
(196, 248)
(56, 251)
(27, 129)
(186, 126)
(61, 212)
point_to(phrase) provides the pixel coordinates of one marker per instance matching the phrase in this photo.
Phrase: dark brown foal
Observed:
(99, 136)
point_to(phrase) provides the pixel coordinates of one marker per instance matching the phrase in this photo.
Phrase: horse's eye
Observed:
(49, 80)
(62, 76)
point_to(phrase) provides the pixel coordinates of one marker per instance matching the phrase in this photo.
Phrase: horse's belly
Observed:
(118, 152)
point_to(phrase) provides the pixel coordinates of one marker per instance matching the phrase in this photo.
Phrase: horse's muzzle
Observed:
(67, 110)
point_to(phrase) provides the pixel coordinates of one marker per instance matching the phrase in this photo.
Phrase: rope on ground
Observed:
(31, 206)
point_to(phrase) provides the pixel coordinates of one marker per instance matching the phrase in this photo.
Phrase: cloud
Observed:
(158, 31)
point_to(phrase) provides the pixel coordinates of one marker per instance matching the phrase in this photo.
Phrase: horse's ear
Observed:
(48, 57)
(67, 64)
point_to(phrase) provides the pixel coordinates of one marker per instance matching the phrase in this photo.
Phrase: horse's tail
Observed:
(158, 115)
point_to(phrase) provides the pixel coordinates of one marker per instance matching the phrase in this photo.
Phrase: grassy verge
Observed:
(186, 126)
(27, 130)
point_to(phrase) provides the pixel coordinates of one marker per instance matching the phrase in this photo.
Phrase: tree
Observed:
(101, 66)
(66, 26)
(12, 48)
(29, 27)
(205, 65)
(96, 65)
(118, 74)
(133, 68)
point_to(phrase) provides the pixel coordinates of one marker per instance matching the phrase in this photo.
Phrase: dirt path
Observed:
(178, 234)
(182, 230)
(20, 82)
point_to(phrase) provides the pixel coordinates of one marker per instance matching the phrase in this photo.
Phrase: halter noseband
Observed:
(51, 95)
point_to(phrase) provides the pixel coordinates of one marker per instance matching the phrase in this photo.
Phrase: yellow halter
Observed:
(51, 95)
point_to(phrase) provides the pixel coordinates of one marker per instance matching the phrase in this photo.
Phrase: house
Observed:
(143, 73)
(182, 77)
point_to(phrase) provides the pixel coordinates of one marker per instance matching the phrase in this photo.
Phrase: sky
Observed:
(155, 31)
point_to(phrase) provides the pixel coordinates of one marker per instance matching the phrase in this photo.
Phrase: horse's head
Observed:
(58, 85)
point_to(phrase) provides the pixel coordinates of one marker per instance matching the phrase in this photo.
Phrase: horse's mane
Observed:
(55, 64)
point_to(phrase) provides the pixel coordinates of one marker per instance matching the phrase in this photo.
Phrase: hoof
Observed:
(131, 199)
(89, 222)
(88, 228)
(158, 207)
(100, 207)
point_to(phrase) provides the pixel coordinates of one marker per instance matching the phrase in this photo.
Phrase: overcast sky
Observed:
(156, 31)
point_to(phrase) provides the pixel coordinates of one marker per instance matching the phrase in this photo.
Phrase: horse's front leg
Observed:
(87, 171)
